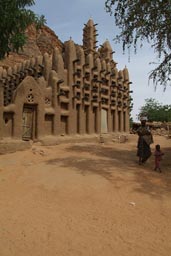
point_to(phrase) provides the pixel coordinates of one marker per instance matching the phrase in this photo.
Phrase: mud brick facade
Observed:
(76, 91)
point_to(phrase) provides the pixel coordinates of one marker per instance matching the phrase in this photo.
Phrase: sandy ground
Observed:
(85, 199)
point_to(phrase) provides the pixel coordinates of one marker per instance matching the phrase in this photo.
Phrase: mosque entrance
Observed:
(29, 122)
(104, 125)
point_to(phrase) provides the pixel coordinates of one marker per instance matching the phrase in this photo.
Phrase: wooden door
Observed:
(28, 123)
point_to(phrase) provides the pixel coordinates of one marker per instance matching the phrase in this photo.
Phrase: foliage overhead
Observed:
(15, 17)
(150, 21)
(155, 111)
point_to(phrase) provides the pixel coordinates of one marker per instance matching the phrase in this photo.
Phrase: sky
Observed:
(67, 18)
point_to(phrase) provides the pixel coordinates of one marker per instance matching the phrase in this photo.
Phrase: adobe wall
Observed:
(77, 92)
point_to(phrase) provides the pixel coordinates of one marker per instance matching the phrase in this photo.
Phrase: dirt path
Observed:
(85, 200)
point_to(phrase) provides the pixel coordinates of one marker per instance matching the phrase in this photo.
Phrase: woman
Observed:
(144, 141)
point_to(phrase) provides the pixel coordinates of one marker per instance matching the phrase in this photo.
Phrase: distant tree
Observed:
(155, 111)
(15, 17)
(146, 20)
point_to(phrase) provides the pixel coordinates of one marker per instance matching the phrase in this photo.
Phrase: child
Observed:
(158, 157)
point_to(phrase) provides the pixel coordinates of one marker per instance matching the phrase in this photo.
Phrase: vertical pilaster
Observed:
(82, 120)
(109, 120)
(127, 125)
(91, 120)
(80, 63)
(55, 105)
(2, 75)
(116, 118)
(1, 108)
(98, 120)
(69, 58)
(126, 92)
(47, 66)
(122, 121)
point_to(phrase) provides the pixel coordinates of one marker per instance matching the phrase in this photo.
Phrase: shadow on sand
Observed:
(119, 165)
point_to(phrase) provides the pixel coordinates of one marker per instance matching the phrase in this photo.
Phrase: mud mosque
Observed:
(76, 91)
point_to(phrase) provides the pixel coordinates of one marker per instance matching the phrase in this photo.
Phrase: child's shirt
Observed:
(158, 155)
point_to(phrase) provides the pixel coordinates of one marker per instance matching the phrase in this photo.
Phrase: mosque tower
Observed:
(106, 51)
(90, 37)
